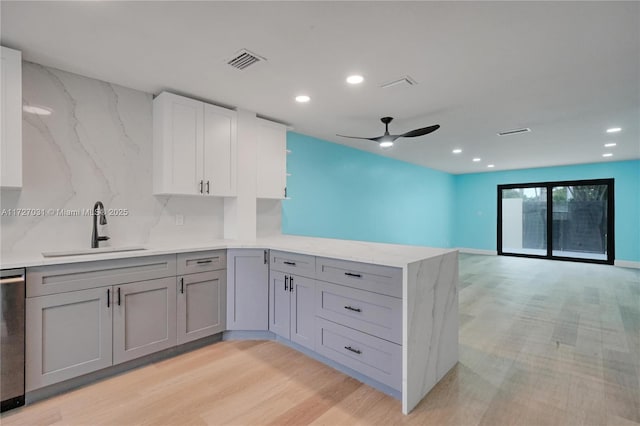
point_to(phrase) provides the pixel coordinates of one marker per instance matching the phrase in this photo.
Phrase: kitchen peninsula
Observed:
(411, 352)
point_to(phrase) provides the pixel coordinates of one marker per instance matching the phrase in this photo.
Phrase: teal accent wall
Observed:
(477, 204)
(345, 193)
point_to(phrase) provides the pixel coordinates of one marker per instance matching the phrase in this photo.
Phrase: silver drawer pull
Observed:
(355, 351)
(349, 274)
(204, 262)
(289, 263)
(351, 308)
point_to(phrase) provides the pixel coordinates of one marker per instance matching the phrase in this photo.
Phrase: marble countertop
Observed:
(359, 251)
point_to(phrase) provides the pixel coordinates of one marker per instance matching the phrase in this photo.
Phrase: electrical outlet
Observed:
(179, 219)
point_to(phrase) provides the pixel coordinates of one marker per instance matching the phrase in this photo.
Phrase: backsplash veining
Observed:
(97, 145)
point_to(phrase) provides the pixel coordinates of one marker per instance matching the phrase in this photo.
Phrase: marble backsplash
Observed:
(97, 145)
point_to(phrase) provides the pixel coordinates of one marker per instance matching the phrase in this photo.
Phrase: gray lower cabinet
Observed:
(55, 279)
(377, 358)
(279, 304)
(247, 289)
(77, 331)
(144, 318)
(201, 261)
(371, 313)
(67, 335)
(291, 307)
(202, 305)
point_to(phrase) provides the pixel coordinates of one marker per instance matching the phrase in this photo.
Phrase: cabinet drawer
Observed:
(373, 357)
(365, 276)
(52, 279)
(201, 261)
(298, 264)
(371, 313)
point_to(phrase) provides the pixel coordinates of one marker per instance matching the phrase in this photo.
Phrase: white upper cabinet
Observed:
(194, 147)
(272, 159)
(220, 150)
(11, 119)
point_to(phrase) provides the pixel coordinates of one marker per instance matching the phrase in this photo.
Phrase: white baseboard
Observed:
(627, 264)
(478, 251)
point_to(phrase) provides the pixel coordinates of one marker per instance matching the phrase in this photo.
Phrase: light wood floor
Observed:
(541, 342)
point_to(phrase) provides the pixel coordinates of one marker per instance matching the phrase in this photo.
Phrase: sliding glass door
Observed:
(558, 220)
(580, 221)
(524, 220)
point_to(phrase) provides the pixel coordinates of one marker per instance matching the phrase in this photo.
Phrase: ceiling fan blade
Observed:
(420, 132)
(358, 137)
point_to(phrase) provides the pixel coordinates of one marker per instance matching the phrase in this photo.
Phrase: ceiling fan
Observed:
(387, 139)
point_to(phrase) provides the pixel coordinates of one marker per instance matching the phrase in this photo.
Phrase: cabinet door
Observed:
(178, 145)
(67, 335)
(144, 318)
(220, 151)
(11, 119)
(279, 304)
(247, 289)
(201, 305)
(303, 311)
(272, 159)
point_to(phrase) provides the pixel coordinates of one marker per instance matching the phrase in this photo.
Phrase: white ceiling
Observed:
(567, 70)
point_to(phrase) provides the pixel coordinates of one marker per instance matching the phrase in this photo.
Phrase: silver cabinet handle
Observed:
(201, 184)
(207, 187)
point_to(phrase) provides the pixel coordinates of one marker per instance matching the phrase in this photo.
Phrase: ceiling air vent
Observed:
(405, 81)
(243, 59)
(514, 131)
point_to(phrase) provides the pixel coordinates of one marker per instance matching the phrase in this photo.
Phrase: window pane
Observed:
(524, 221)
(580, 221)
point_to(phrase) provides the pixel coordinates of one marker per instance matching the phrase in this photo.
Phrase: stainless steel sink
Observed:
(83, 252)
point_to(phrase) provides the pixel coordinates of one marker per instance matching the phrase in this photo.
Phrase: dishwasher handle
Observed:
(12, 280)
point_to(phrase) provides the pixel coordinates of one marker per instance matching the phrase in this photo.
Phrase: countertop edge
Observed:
(385, 254)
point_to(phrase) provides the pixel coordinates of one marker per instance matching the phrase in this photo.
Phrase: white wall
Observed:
(97, 145)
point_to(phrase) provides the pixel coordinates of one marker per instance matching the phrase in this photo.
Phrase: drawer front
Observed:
(373, 357)
(201, 261)
(43, 280)
(365, 276)
(297, 264)
(371, 313)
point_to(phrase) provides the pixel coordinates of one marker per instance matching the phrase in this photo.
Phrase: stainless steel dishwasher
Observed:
(12, 303)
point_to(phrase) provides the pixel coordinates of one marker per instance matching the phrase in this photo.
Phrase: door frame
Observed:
(549, 187)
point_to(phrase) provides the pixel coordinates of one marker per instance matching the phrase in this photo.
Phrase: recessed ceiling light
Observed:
(613, 130)
(302, 99)
(491, 166)
(475, 160)
(457, 151)
(610, 144)
(37, 110)
(608, 154)
(355, 79)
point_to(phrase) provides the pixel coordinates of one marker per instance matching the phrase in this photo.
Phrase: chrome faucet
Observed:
(98, 209)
